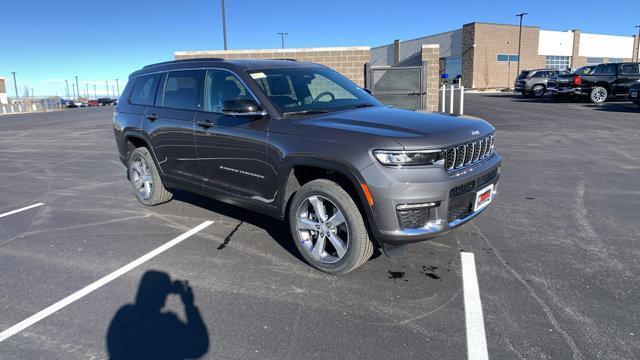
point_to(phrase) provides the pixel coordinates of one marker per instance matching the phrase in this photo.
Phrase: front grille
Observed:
(413, 218)
(466, 154)
(462, 189)
(458, 212)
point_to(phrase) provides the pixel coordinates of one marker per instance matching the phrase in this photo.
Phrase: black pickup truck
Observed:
(605, 80)
(634, 93)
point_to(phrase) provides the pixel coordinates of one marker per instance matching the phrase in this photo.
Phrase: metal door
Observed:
(401, 87)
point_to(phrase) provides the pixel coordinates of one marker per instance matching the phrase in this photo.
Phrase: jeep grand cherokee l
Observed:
(302, 143)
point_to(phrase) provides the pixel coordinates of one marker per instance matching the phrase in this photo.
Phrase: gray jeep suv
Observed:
(302, 143)
(534, 82)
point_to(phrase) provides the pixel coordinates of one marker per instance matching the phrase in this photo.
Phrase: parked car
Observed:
(106, 102)
(92, 103)
(605, 80)
(565, 78)
(74, 104)
(64, 103)
(534, 82)
(634, 93)
(300, 142)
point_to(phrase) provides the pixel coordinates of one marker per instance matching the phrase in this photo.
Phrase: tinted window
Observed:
(630, 69)
(221, 86)
(181, 89)
(144, 90)
(606, 69)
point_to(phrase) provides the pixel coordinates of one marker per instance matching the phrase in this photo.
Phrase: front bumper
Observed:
(451, 207)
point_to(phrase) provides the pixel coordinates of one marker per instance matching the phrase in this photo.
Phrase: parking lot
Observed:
(557, 254)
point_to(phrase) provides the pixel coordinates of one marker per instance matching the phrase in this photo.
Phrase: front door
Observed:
(171, 129)
(231, 149)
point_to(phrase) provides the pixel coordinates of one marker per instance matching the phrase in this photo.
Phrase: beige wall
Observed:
(430, 55)
(491, 40)
(349, 61)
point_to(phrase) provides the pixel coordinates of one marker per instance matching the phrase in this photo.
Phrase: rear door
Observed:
(231, 149)
(628, 75)
(171, 129)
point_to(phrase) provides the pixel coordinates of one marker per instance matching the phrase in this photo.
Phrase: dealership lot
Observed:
(557, 255)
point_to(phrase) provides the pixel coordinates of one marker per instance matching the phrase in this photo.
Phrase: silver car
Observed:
(534, 82)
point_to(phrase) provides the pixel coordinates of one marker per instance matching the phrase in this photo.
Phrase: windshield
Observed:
(295, 91)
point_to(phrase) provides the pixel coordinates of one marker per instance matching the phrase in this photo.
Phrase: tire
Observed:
(357, 248)
(145, 178)
(598, 94)
(537, 91)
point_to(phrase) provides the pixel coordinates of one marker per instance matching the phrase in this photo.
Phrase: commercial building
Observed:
(485, 55)
(3, 92)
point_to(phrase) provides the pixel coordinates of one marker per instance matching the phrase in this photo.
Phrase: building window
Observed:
(595, 60)
(558, 62)
(452, 67)
(506, 57)
(615, 60)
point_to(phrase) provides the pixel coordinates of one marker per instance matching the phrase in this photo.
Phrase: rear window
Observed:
(181, 89)
(630, 69)
(144, 90)
(523, 74)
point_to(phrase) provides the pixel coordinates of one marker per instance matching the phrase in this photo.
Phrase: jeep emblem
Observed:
(475, 132)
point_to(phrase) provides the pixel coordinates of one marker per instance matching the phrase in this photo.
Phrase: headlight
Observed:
(407, 158)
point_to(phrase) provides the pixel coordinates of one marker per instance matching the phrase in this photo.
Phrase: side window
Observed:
(221, 86)
(630, 69)
(144, 90)
(181, 89)
(605, 69)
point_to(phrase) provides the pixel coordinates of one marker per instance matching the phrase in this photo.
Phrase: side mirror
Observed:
(242, 107)
(368, 91)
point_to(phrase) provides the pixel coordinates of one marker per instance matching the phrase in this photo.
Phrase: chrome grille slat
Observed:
(462, 155)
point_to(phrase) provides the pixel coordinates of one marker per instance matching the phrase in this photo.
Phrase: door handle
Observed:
(205, 124)
(152, 117)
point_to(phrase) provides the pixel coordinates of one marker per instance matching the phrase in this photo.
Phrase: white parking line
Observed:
(96, 285)
(21, 209)
(476, 338)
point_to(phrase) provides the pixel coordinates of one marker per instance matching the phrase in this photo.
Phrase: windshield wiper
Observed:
(302, 112)
(362, 106)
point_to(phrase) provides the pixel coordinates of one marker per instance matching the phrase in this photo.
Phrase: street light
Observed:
(95, 94)
(73, 87)
(282, 34)
(107, 83)
(521, 15)
(224, 26)
(67, 82)
(15, 85)
(78, 88)
(118, 88)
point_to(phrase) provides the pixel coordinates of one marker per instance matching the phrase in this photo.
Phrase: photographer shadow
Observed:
(143, 331)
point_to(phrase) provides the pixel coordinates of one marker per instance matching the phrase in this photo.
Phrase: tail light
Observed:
(528, 78)
(577, 80)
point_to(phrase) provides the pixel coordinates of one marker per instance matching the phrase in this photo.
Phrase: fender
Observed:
(137, 134)
(335, 165)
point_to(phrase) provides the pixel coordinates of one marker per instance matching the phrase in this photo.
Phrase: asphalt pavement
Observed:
(557, 255)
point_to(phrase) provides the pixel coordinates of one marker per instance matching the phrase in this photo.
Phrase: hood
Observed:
(411, 129)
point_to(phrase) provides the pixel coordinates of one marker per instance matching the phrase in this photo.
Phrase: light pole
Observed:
(509, 65)
(107, 83)
(95, 94)
(15, 84)
(117, 88)
(73, 87)
(67, 82)
(638, 47)
(224, 25)
(78, 88)
(86, 94)
(282, 34)
(521, 15)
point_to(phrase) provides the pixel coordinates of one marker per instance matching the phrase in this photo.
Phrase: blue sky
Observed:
(47, 42)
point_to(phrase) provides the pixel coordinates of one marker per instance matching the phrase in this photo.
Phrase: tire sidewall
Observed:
(354, 226)
(144, 153)
(533, 91)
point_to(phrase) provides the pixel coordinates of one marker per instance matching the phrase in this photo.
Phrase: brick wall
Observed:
(577, 61)
(431, 72)
(491, 40)
(349, 61)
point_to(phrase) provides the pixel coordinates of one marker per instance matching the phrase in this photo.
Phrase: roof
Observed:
(236, 64)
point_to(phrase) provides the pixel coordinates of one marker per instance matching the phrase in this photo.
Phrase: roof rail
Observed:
(285, 59)
(183, 60)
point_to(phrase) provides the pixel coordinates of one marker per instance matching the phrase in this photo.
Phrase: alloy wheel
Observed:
(322, 229)
(141, 177)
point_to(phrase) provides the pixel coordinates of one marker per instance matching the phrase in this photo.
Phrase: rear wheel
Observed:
(145, 178)
(598, 94)
(328, 229)
(538, 91)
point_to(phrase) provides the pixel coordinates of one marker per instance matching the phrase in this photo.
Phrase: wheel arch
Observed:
(133, 140)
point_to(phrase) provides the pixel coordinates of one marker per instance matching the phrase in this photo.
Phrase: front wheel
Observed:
(145, 178)
(538, 91)
(598, 95)
(328, 228)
